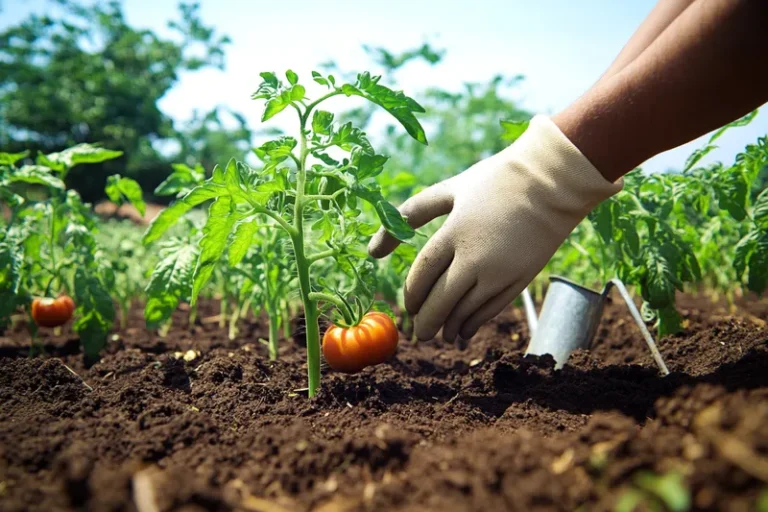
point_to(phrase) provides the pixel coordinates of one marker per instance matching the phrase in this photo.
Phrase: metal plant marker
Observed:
(570, 316)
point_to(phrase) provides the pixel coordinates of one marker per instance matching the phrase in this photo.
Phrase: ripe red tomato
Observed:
(48, 312)
(372, 341)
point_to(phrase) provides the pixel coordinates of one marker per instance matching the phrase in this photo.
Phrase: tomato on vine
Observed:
(48, 312)
(371, 342)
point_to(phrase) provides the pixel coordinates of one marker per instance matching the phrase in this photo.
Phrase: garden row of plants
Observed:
(287, 236)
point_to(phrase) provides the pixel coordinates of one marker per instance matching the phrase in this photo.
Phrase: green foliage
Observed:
(513, 129)
(171, 280)
(49, 244)
(121, 189)
(182, 180)
(288, 192)
(666, 231)
(665, 492)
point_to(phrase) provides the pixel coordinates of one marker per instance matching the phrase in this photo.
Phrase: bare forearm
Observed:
(662, 15)
(706, 69)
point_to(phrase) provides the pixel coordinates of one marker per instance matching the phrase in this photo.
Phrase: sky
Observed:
(560, 46)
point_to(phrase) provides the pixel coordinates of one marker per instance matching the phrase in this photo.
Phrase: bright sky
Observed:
(561, 47)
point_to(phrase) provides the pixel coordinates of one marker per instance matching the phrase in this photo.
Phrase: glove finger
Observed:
(431, 262)
(480, 294)
(490, 309)
(445, 294)
(425, 206)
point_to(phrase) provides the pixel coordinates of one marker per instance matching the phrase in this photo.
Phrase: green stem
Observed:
(223, 312)
(346, 310)
(324, 197)
(286, 322)
(123, 315)
(246, 306)
(260, 209)
(52, 240)
(321, 255)
(233, 318)
(273, 307)
(192, 316)
(315, 103)
(310, 312)
(48, 286)
(163, 331)
(274, 336)
(302, 267)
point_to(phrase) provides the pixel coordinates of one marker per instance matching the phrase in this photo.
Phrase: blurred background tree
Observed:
(81, 73)
(87, 76)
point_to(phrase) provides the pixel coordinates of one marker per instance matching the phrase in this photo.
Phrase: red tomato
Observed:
(47, 312)
(372, 341)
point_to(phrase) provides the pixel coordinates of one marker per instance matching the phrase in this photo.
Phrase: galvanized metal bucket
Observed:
(570, 317)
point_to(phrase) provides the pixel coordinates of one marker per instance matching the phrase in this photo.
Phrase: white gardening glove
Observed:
(508, 214)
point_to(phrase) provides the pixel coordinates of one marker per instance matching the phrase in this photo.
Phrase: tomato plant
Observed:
(129, 260)
(370, 342)
(666, 230)
(314, 181)
(48, 244)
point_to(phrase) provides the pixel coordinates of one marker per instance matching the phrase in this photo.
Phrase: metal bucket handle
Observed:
(638, 320)
(532, 317)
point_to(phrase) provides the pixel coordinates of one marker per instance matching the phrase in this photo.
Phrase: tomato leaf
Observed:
(367, 165)
(760, 210)
(513, 129)
(241, 240)
(659, 289)
(170, 215)
(216, 231)
(325, 227)
(274, 107)
(297, 92)
(181, 180)
(733, 193)
(95, 312)
(697, 155)
(119, 189)
(12, 158)
(743, 251)
(35, 175)
(11, 261)
(322, 122)
(742, 121)
(171, 281)
(389, 216)
(80, 154)
(668, 321)
(758, 266)
(396, 103)
(602, 220)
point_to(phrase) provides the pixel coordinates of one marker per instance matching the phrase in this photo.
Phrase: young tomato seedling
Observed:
(317, 178)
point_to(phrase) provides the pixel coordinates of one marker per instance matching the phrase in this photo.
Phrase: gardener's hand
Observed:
(507, 216)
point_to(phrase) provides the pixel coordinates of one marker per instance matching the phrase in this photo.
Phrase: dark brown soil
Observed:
(436, 428)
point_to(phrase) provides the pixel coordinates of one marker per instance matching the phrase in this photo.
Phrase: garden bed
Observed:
(436, 428)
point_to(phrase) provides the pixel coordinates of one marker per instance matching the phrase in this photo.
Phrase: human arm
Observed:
(705, 70)
(661, 16)
(508, 214)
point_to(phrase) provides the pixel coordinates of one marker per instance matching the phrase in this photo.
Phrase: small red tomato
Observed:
(66, 299)
(48, 312)
(372, 341)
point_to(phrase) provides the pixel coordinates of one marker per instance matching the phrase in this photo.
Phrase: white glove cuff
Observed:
(570, 180)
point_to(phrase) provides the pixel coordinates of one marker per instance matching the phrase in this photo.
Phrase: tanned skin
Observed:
(691, 67)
